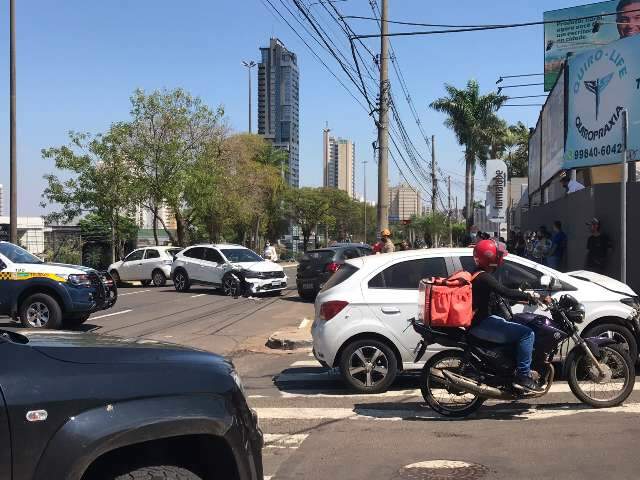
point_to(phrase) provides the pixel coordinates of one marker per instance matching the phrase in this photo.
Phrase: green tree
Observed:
(431, 227)
(96, 178)
(170, 132)
(471, 116)
(309, 207)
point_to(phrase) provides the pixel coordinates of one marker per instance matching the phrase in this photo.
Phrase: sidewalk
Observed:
(292, 338)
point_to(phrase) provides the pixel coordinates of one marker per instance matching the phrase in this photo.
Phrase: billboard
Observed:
(497, 191)
(535, 145)
(602, 83)
(553, 132)
(572, 31)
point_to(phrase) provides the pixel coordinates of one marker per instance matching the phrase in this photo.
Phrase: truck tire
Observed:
(161, 472)
(40, 311)
(75, 321)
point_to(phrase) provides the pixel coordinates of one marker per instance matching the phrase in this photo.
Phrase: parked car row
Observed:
(362, 310)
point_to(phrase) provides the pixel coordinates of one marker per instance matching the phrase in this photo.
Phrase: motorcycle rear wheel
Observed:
(447, 401)
(608, 392)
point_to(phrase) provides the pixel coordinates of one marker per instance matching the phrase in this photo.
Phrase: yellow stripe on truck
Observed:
(16, 276)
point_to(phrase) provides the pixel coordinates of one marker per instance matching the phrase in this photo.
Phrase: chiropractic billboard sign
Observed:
(602, 83)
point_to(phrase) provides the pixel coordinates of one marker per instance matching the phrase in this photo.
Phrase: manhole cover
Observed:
(442, 470)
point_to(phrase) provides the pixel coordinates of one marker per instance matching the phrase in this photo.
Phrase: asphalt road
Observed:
(315, 429)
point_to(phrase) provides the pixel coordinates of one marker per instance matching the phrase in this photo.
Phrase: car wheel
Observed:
(161, 472)
(181, 281)
(40, 311)
(230, 286)
(368, 366)
(75, 321)
(158, 278)
(116, 277)
(616, 332)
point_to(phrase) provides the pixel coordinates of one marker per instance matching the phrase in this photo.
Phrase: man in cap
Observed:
(598, 246)
(387, 244)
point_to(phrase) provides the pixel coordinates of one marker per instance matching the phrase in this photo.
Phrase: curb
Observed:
(292, 338)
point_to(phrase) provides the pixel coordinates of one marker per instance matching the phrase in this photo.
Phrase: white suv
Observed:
(147, 265)
(212, 265)
(361, 314)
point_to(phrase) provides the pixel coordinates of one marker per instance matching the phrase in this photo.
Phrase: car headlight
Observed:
(238, 381)
(633, 302)
(79, 280)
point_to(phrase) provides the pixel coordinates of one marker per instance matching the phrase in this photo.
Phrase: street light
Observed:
(13, 175)
(249, 66)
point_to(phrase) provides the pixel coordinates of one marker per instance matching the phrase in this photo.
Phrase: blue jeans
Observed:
(497, 330)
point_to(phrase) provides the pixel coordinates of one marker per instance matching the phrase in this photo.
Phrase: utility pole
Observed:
(249, 66)
(383, 123)
(434, 181)
(456, 209)
(623, 198)
(449, 212)
(13, 173)
(364, 178)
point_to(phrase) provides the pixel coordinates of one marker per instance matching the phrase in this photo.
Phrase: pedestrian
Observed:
(521, 245)
(404, 245)
(542, 246)
(387, 244)
(270, 252)
(569, 185)
(558, 247)
(598, 247)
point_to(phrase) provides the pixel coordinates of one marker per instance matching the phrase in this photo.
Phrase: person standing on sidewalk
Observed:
(558, 247)
(542, 246)
(387, 244)
(598, 247)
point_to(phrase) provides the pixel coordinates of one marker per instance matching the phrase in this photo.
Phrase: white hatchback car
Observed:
(147, 265)
(212, 264)
(361, 315)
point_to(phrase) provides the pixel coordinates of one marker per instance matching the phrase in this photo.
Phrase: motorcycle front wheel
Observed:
(599, 390)
(442, 397)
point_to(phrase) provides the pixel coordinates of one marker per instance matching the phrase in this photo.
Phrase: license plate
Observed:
(276, 283)
(307, 286)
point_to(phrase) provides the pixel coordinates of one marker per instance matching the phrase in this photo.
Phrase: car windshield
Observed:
(17, 254)
(239, 255)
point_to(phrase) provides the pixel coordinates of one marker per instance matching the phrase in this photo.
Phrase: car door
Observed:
(192, 262)
(392, 293)
(131, 268)
(151, 260)
(213, 266)
(6, 285)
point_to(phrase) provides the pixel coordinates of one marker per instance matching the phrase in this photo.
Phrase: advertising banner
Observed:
(497, 191)
(576, 29)
(535, 147)
(602, 83)
(553, 132)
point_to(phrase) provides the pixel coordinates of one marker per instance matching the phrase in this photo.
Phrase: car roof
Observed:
(218, 245)
(339, 246)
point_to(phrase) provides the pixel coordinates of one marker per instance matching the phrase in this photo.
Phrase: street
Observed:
(315, 429)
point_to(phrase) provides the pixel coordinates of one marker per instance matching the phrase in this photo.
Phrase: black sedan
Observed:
(316, 266)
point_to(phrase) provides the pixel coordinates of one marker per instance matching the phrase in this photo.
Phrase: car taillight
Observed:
(330, 309)
(332, 267)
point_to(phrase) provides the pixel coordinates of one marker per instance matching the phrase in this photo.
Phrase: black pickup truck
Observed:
(78, 406)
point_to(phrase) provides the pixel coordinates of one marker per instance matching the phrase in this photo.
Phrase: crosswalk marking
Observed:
(533, 413)
(278, 440)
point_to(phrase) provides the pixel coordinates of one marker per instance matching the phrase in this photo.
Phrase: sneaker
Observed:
(527, 384)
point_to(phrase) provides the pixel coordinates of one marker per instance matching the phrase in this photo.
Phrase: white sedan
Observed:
(361, 314)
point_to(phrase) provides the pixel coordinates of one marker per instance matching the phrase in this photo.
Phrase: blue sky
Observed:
(78, 62)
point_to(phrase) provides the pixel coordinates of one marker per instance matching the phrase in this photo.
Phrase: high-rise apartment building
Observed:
(278, 101)
(339, 160)
(404, 202)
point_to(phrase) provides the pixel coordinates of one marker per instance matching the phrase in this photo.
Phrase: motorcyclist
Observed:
(489, 255)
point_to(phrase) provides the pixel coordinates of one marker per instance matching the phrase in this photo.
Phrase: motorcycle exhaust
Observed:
(470, 386)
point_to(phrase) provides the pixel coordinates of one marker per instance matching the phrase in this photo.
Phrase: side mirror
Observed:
(548, 282)
(2, 265)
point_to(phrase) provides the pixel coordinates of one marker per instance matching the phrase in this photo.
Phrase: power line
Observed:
(462, 28)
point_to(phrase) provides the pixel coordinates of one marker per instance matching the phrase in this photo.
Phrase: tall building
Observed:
(278, 102)
(404, 202)
(1, 200)
(144, 218)
(339, 161)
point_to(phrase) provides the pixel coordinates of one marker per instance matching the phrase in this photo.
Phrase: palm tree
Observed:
(471, 116)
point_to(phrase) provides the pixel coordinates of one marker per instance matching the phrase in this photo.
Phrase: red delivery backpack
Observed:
(446, 302)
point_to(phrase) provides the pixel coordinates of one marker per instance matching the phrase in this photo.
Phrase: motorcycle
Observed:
(456, 382)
